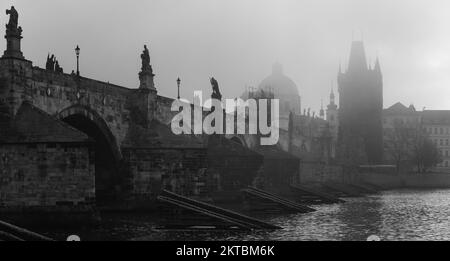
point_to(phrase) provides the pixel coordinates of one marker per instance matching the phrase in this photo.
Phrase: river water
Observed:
(390, 215)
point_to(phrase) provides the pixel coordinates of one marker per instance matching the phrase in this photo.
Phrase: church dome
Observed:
(281, 87)
(279, 84)
(284, 89)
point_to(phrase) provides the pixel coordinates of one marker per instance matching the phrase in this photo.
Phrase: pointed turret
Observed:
(332, 105)
(377, 66)
(332, 96)
(322, 112)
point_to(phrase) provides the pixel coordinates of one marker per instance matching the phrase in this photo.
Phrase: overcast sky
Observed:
(237, 41)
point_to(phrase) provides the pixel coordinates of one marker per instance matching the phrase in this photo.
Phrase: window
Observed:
(446, 153)
(446, 163)
(435, 130)
(441, 142)
(441, 131)
(446, 142)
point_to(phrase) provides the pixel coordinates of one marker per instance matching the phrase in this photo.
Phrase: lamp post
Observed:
(77, 52)
(178, 84)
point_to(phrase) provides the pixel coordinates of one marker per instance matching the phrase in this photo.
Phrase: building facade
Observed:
(435, 124)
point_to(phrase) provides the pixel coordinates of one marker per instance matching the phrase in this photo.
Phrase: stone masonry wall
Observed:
(46, 175)
(316, 171)
(179, 170)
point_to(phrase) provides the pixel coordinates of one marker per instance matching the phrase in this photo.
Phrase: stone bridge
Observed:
(136, 154)
(127, 124)
(100, 109)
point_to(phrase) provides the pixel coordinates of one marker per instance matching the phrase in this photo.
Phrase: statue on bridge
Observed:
(215, 87)
(13, 35)
(50, 64)
(58, 68)
(146, 74)
(145, 56)
(13, 18)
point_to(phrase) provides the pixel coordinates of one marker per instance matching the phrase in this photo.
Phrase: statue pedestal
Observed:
(13, 37)
(146, 80)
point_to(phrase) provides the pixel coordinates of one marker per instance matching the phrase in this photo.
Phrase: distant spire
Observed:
(377, 65)
(332, 96)
(332, 105)
(322, 112)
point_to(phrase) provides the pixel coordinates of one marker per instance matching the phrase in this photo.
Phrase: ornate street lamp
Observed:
(77, 52)
(178, 84)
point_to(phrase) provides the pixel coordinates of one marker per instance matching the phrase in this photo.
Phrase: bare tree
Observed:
(425, 152)
(399, 143)
(408, 142)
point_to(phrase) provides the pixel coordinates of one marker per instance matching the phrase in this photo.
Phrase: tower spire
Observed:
(357, 60)
(377, 65)
(322, 112)
(332, 96)
(332, 105)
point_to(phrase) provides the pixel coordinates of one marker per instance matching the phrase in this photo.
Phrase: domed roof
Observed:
(279, 84)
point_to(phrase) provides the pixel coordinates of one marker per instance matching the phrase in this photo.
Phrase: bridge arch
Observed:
(92, 115)
(107, 153)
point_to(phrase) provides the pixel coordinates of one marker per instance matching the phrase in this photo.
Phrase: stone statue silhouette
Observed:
(52, 63)
(145, 56)
(58, 68)
(215, 87)
(47, 64)
(13, 18)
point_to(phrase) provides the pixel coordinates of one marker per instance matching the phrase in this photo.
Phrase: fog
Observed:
(237, 41)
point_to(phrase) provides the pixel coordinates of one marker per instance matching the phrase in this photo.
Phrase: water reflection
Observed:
(392, 215)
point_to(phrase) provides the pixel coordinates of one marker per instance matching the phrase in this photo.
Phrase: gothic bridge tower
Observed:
(360, 108)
